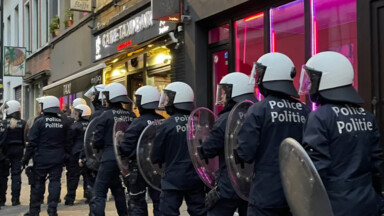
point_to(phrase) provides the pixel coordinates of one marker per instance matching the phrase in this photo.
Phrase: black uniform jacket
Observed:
(48, 141)
(103, 138)
(343, 142)
(76, 136)
(132, 135)
(267, 124)
(170, 147)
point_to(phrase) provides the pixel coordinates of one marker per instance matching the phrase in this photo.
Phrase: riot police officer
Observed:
(341, 137)
(233, 88)
(70, 163)
(14, 141)
(108, 174)
(146, 100)
(48, 148)
(267, 124)
(76, 137)
(170, 147)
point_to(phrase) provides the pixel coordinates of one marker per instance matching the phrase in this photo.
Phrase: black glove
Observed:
(25, 161)
(200, 152)
(238, 160)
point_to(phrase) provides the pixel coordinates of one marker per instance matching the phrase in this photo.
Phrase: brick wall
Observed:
(39, 62)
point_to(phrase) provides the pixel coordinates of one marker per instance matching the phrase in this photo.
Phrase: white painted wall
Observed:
(14, 40)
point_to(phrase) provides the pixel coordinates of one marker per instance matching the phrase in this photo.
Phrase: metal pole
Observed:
(1, 49)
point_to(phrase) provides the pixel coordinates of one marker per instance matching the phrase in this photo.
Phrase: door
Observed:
(219, 68)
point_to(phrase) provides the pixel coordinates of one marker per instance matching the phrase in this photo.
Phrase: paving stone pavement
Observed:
(79, 209)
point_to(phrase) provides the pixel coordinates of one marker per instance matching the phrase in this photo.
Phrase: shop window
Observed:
(287, 34)
(335, 29)
(159, 56)
(218, 34)
(249, 40)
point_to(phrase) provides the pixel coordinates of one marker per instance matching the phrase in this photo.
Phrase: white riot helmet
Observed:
(275, 72)
(50, 104)
(116, 93)
(233, 86)
(39, 99)
(147, 97)
(94, 92)
(84, 110)
(178, 94)
(331, 75)
(12, 106)
(78, 101)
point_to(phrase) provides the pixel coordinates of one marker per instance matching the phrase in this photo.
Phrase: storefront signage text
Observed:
(134, 30)
(127, 29)
(67, 89)
(96, 80)
(81, 5)
(163, 27)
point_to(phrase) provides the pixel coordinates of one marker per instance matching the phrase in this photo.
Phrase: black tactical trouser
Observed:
(4, 173)
(73, 176)
(137, 191)
(227, 207)
(38, 188)
(108, 177)
(15, 155)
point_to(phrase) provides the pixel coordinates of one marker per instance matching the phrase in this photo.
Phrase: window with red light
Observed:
(288, 34)
(249, 42)
(218, 34)
(335, 29)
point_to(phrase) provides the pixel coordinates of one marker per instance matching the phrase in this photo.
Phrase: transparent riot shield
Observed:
(199, 125)
(239, 174)
(93, 155)
(119, 129)
(302, 184)
(151, 173)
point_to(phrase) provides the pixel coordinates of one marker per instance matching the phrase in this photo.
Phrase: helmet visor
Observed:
(91, 93)
(309, 81)
(137, 101)
(103, 97)
(167, 98)
(257, 73)
(223, 94)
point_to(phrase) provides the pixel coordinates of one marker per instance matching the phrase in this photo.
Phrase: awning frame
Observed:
(75, 76)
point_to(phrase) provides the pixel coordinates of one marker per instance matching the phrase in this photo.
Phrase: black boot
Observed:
(69, 202)
(15, 202)
(29, 214)
(52, 213)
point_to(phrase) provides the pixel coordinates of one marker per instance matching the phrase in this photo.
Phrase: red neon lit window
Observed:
(218, 34)
(335, 29)
(288, 34)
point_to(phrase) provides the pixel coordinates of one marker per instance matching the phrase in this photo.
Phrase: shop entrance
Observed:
(134, 82)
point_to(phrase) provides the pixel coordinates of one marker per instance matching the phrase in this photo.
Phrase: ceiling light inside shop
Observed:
(150, 45)
(162, 58)
(115, 60)
(118, 72)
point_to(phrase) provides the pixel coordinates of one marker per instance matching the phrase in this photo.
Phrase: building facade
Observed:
(13, 36)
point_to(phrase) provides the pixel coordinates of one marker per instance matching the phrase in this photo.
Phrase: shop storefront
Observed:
(75, 85)
(136, 51)
(237, 37)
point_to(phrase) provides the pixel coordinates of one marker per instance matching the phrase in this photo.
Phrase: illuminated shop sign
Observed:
(127, 29)
(132, 31)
